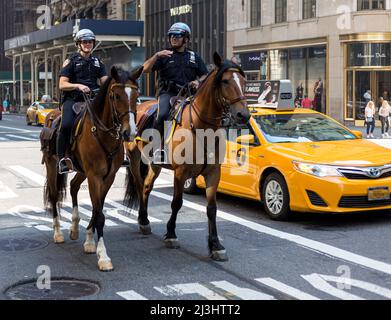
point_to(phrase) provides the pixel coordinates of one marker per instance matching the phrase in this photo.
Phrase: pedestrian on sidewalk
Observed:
(370, 112)
(306, 102)
(384, 115)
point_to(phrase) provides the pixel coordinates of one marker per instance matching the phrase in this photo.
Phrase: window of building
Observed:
(371, 5)
(255, 13)
(281, 11)
(309, 9)
(130, 10)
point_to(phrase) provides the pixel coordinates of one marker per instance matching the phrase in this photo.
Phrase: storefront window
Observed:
(370, 5)
(254, 62)
(278, 64)
(316, 77)
(369, 54)
(297, 72)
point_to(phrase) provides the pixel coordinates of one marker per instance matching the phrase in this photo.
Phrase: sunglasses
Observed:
(176, 36)
(87, 41)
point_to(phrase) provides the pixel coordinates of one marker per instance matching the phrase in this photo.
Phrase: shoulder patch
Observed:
(66, 62)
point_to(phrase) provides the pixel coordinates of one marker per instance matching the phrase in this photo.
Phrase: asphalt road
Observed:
(311, 257)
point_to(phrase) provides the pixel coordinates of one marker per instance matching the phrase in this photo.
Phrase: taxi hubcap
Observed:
(274, 197)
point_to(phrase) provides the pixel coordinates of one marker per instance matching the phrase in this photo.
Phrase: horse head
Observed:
(230, 81)
(123, 94)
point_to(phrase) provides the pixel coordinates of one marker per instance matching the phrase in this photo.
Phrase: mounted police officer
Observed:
(79, 74)
(177, 66)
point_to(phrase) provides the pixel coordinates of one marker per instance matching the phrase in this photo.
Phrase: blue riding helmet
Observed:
(179, 28)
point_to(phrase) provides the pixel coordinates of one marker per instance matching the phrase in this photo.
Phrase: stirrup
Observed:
(65, 164)
(126, 162)
(157, 157)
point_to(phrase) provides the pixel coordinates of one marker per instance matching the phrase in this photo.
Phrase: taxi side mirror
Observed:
(357, 133)
(247, 139)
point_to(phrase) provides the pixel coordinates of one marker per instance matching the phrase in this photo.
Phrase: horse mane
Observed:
(98, 103)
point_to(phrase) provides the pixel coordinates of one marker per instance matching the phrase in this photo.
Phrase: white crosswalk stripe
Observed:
(20, 137)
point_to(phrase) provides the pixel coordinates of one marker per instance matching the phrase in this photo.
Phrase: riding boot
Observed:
(160, 154)
(62, 144)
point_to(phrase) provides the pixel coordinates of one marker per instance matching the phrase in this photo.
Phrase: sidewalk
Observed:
(376, 133)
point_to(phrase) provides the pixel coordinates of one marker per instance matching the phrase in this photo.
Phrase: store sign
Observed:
(19, 42)
(369, 54)
(252, 61)
(177, 11)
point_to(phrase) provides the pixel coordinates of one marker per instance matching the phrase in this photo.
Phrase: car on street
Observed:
(38, 111)
(300, 160)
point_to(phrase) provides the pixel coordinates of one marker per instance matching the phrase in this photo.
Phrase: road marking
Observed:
(354, 283)
(126, 209)
(314, 245)
(160, 182)
(317, 246)
(29, 174)
(20, 137)
(189, 288)
(4, 139)
(88, 213)
(6, 192)
(131, 295)
(242, 293)
(113, 213)
(321, 284)
(290, 291)
(16, 129)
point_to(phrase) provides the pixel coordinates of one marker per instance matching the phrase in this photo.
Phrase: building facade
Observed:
(332, 51)
(206, 18)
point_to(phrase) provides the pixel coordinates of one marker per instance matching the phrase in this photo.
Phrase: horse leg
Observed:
(170, 239)
(97, 194)
(217, 251)
(153, 174)
(52, 195)
(75, 187)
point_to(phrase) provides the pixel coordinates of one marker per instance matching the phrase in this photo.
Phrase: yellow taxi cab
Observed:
(299, 160)
(38, 111)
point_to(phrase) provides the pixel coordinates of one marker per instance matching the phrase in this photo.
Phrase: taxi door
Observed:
(239, 171)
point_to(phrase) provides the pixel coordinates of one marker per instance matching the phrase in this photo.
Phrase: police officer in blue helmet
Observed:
(176, 66)
(79, 74)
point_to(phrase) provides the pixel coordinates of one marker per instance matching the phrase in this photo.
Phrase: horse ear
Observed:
(114, 73)
(217, 60)
(136, 73)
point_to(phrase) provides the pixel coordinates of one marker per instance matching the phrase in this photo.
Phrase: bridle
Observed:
(115, 130)
(226, 119)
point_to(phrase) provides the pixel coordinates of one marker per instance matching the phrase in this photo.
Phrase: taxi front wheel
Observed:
(190, 186)
(275, 196)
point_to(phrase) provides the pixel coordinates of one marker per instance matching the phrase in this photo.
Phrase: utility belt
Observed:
(169, 86)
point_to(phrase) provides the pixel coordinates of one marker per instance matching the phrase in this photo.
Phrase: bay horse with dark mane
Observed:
(218, 103)
(98, 151)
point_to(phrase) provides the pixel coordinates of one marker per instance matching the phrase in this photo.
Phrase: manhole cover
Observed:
(60, 289)
(17, 245)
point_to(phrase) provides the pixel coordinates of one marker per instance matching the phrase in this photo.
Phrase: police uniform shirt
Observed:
(181, 67)
(83, 71)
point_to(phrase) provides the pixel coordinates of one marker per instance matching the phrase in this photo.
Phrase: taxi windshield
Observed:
(47, 105)
(285, 128)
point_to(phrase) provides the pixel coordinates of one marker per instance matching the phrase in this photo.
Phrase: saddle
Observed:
(147, 119)
(49, 132)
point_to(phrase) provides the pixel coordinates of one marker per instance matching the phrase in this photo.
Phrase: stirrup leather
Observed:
(66, 161)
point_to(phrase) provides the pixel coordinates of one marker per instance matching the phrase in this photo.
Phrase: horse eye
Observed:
(225, 82)
(117, 96)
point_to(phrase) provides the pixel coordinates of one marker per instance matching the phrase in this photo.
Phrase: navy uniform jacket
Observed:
(181, 68)
(82, 71)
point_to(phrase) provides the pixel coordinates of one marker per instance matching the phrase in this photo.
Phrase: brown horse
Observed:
(219, 102)
(98, 150)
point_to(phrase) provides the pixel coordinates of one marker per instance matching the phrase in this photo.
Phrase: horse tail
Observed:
(55, 188)
(131, 199)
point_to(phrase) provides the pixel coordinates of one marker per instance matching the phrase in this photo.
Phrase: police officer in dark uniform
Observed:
(177, 67)
(80, 74)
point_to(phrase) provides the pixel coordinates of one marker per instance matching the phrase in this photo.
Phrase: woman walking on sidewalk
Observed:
(370, 118)
(384, 115)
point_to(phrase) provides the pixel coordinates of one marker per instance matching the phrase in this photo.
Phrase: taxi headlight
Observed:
(317, 170)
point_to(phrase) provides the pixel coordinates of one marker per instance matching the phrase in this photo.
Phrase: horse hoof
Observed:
(145, 230)
(105, 265)
(89, 248)
(58, 238)
(172, 243)
(219, 255)
(74, 235)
